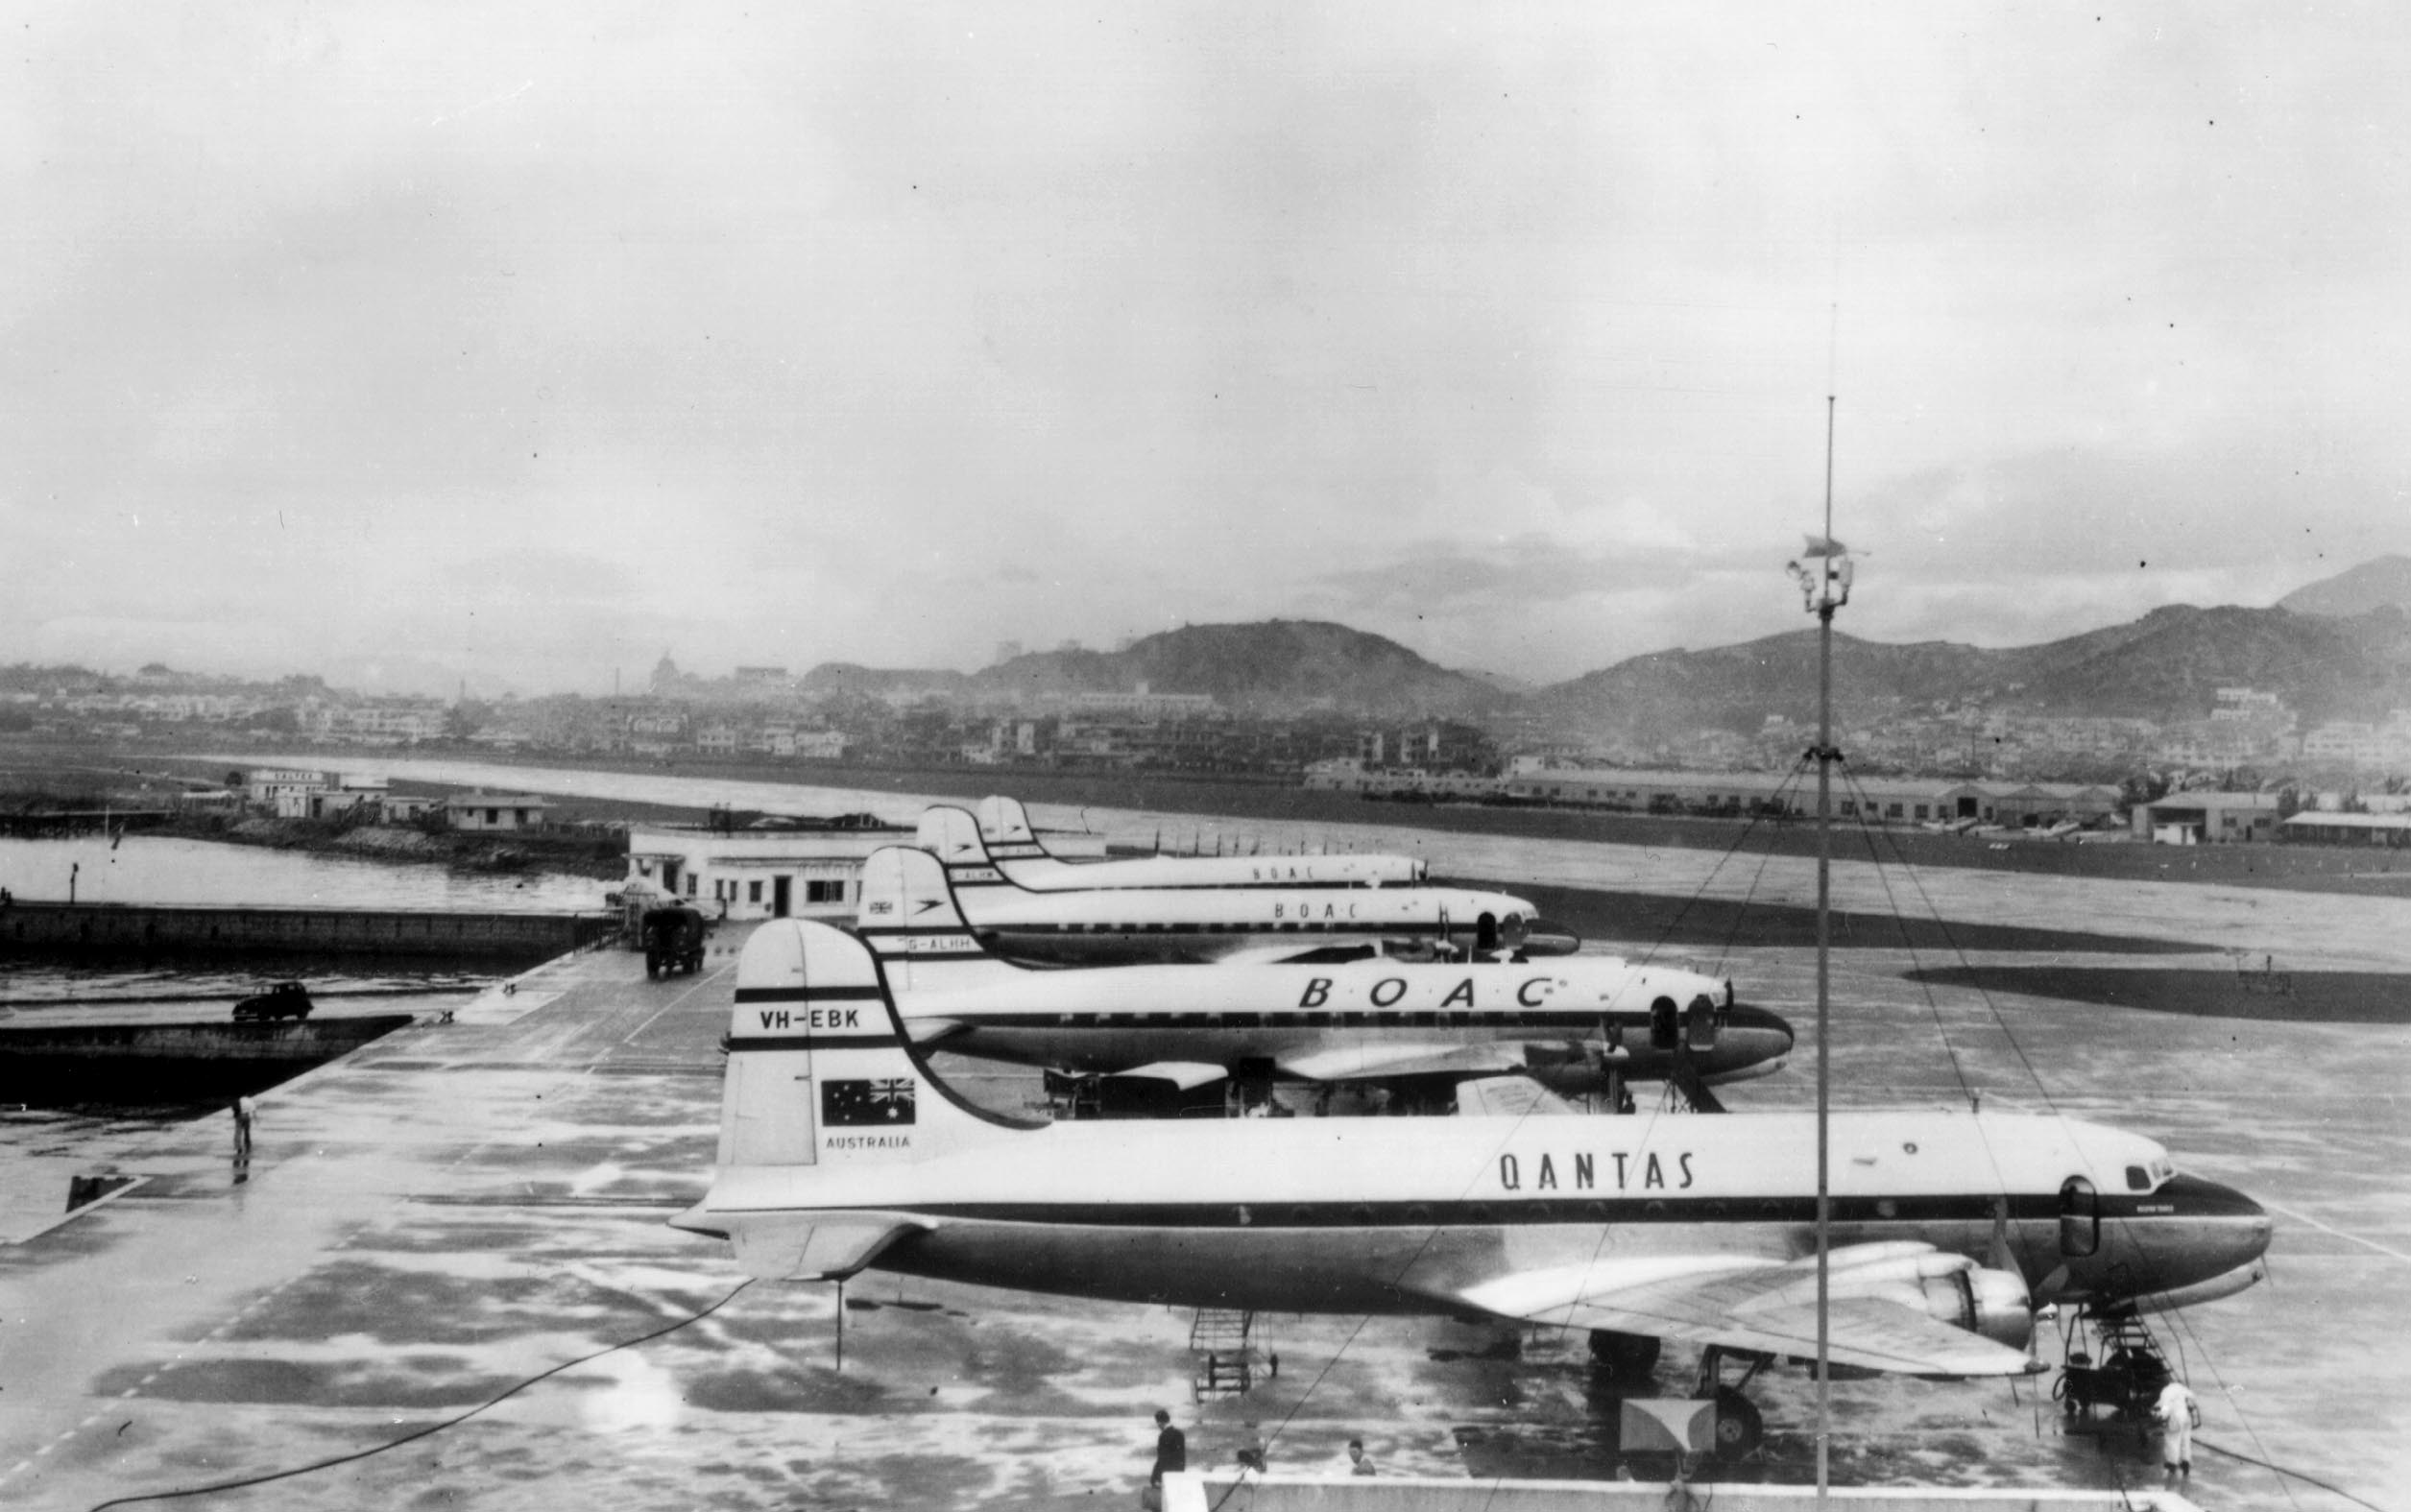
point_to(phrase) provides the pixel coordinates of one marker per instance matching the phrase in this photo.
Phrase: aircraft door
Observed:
(1487, 933)
(2080, 1218)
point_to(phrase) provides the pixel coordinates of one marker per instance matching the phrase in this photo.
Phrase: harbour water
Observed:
(41, 991)
(146, 868)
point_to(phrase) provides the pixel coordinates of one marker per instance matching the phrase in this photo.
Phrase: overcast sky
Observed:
(530, 343)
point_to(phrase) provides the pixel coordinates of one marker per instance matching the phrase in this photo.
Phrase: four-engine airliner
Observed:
(1022, 857)
(1176, 924)
(1342, 1013)
(841, 1151)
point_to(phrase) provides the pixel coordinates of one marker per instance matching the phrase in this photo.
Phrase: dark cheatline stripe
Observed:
(1298, 1018)
(816, 1042)
(810, 995)
(1505, 1210)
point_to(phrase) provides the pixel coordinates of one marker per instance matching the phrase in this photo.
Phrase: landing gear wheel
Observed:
(1738, 1426)
(1624, 1357)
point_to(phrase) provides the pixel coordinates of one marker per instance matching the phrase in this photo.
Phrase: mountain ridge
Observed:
(2166, 665)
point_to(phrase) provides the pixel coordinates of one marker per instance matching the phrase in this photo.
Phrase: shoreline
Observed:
(2301, 867)
(2288, 867)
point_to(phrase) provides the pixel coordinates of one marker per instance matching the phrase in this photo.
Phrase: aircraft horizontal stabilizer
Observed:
(1183, 1074)
(824, 1246)
(1881, 1315)
(1341, 1063)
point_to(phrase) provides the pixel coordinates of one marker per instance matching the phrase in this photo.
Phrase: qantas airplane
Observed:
(839, 1151)
(1327, 1014)
(1023, 859)
(1205, 924)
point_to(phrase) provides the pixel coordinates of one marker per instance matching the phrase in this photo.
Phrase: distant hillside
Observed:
(2165, 666)
(833, 679)
(1735, 688)
(2382, 584)
(1277, 668)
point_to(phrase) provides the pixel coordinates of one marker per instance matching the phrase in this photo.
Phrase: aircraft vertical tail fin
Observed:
(915, 925)
(1004, 823)
(952, 835)
(821, 1072)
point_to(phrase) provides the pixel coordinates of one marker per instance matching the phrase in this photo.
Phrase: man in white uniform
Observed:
(2179, 1413)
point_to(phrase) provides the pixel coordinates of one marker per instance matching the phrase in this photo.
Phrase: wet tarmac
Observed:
(465, 1207)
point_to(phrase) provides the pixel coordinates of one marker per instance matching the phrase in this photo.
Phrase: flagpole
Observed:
(1825, 947)
(1825, 588)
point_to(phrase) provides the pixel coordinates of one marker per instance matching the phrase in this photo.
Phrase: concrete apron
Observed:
(461, 1207)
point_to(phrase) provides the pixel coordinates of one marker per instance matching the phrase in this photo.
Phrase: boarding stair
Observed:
(1222, 1343)
(2125, 1373)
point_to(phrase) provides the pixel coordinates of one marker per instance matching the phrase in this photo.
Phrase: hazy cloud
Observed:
(536, 341)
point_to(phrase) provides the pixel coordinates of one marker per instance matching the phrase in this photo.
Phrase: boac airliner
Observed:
(1356, 1014)
(1204, 923)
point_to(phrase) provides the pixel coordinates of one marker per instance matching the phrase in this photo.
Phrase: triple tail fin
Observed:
(1004, 823)
(915, 925)
(821, 1070)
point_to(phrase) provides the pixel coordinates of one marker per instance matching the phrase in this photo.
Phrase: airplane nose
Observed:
(2243, 1225)
(1760, 1022)
(1548, 937)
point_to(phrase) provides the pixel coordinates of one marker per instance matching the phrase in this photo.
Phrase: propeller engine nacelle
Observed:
(1952, 1290)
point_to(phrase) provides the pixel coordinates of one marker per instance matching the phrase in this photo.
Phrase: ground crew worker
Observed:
(2179, 1412)
(1171, 1452)
(242, 1128)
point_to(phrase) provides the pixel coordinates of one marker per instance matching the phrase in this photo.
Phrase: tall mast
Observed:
(1824, 574)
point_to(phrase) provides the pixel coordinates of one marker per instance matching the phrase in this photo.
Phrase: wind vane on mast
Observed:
(1825, 589)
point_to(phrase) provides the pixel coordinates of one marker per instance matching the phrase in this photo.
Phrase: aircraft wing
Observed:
(1746, 1303)
(1339, 1063)
(1507, 1097)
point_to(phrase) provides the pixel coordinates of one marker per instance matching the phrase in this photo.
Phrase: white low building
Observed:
(813, 871)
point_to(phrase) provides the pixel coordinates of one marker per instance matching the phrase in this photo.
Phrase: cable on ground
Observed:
(430, 1431)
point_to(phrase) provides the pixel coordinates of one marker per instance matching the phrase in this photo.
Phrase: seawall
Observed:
(123, 930)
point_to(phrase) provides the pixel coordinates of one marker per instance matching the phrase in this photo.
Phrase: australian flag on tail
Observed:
(885, 1100)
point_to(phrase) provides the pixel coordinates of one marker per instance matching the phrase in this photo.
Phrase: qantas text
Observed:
(1646, 1171)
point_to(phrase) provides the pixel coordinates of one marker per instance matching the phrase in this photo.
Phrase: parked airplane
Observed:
(1339, 1014)
(1020, 857)
(1191, 923)
(841, 1151)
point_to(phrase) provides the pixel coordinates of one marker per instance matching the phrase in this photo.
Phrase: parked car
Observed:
(284, 1000)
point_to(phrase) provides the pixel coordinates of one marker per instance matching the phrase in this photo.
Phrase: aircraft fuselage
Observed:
(1399, 1216)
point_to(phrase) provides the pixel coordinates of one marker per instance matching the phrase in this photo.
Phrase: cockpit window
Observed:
(2138, 1178)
